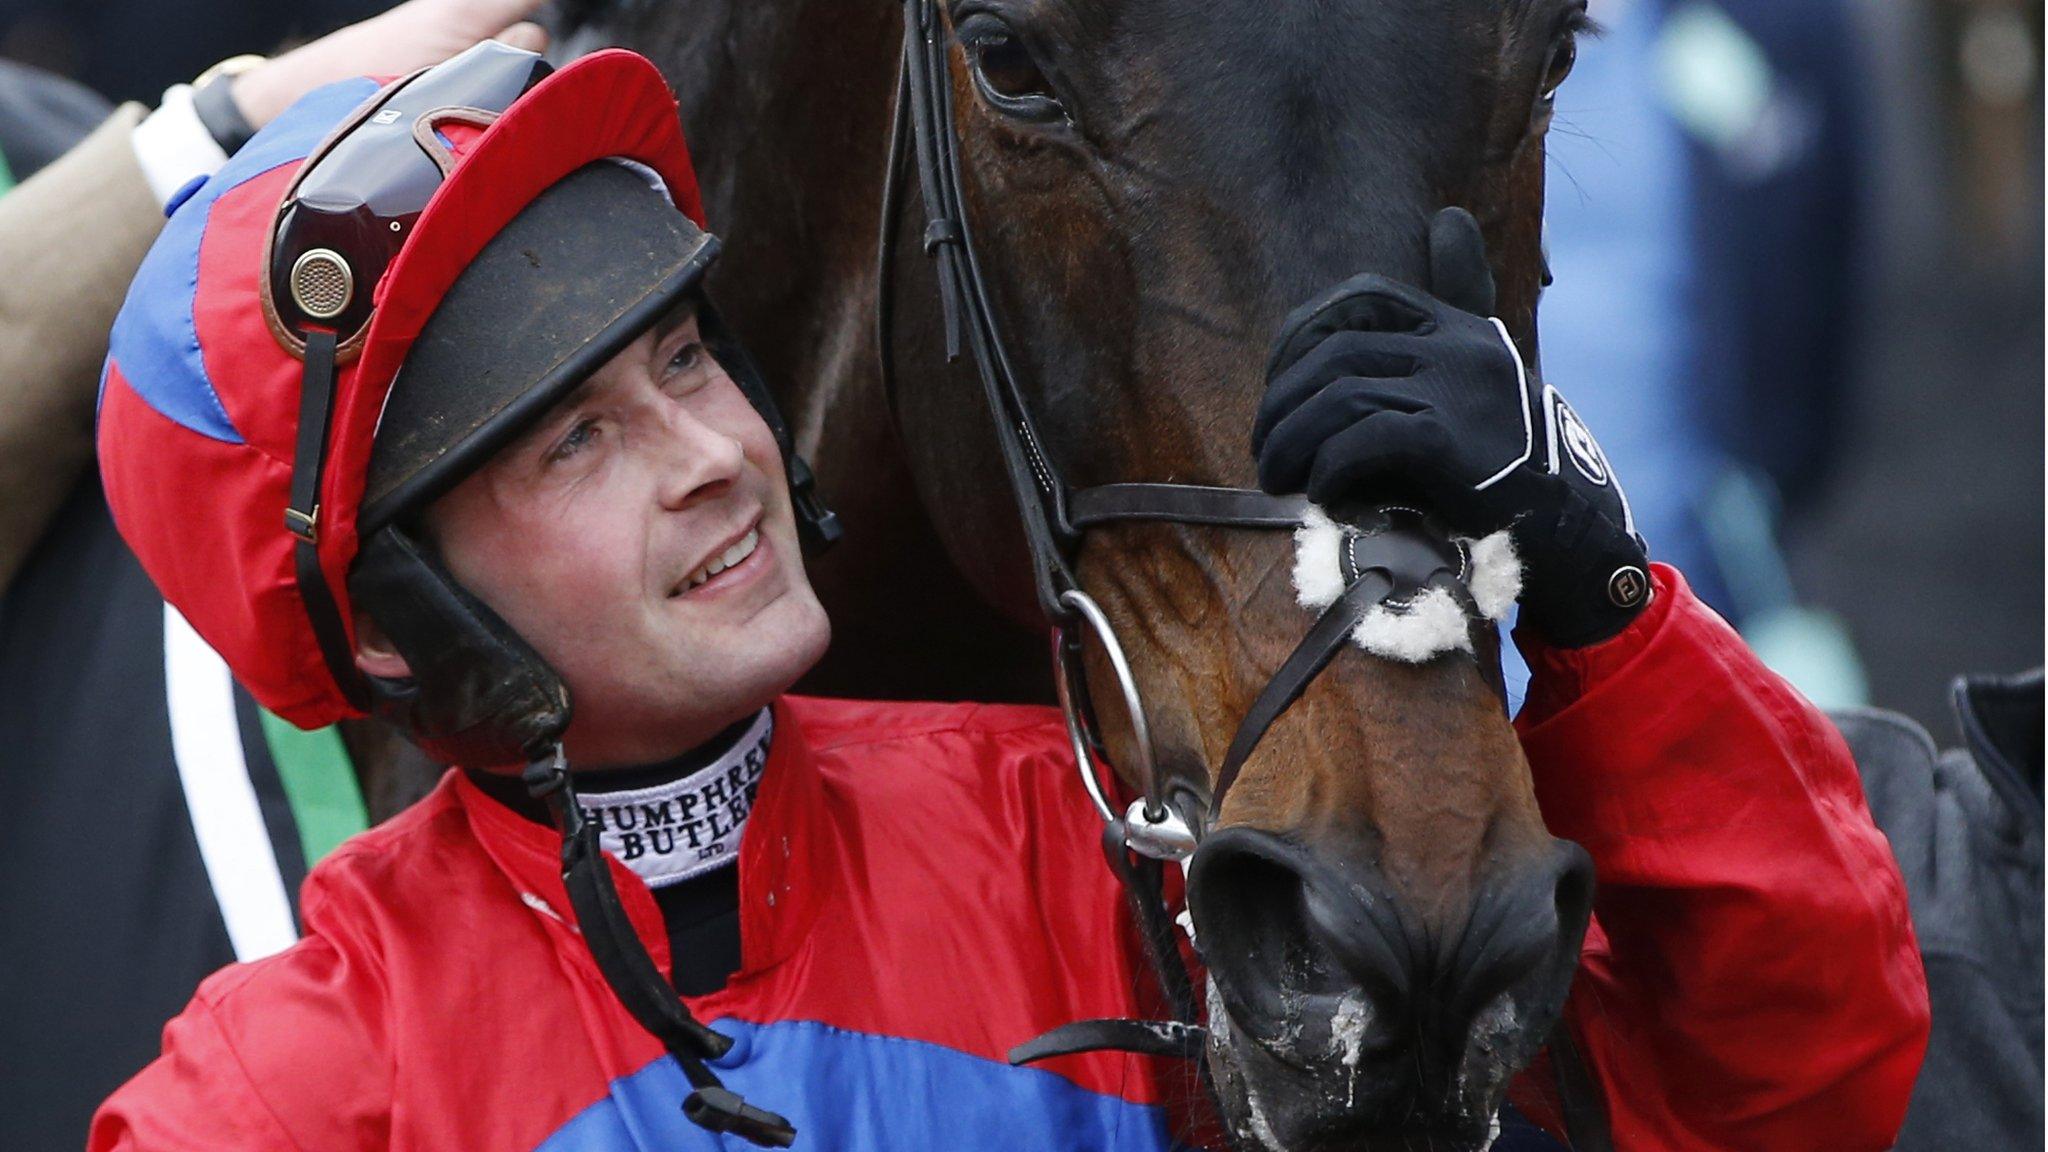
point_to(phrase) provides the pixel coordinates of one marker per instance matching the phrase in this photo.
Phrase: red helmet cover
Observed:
(199, 404)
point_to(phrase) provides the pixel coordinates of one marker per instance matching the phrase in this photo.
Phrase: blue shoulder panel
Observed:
(155, 340)
(858, 1092)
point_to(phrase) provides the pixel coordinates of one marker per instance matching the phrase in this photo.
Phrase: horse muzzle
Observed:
(1340, 1018)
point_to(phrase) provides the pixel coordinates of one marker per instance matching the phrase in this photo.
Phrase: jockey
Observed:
(418, 409)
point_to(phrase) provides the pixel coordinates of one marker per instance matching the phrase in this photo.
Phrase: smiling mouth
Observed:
(735, 553)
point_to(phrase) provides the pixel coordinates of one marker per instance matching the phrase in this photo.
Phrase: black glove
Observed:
(1379, 391)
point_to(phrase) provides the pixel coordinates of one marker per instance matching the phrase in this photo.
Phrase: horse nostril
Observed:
(1278, 935)
(1248, 916)
(1523, 939)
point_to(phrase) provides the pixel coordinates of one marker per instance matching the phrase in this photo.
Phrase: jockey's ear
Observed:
(375, 654)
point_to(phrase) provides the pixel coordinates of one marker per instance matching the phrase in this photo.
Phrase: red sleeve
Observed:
(1751, 980)
(283, 1053)
(194, 1095)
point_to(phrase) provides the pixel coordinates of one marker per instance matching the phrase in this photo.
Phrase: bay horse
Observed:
(1388, 929)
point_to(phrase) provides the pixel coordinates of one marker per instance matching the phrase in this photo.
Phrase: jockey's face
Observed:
(596, 534)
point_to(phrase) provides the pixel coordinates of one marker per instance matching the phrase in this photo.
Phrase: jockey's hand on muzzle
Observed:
(1378, 391)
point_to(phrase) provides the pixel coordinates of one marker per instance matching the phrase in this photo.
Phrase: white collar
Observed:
(667, 833)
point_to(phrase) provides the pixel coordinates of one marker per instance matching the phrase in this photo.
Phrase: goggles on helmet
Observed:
(346, 214)
(355, 200)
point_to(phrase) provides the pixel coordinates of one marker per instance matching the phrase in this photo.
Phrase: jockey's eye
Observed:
(1004, 72)
(580, 435)
(687, 359)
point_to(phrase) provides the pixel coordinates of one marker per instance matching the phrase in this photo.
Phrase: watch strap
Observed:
(214, 102)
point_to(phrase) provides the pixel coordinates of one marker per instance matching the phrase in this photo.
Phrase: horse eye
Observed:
(1004, 72)
(1562, 58)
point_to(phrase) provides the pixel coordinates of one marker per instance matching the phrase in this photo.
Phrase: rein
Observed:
(1394, 553)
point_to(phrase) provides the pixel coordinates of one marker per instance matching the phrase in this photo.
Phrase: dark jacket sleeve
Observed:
(42, 115)
(71, 238)
(1966, 828)
(1751, 980)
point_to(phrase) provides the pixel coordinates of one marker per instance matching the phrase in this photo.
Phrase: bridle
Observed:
(1391, 555)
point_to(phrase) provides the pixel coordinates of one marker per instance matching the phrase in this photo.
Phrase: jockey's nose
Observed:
(1318, 962)
(698, 460)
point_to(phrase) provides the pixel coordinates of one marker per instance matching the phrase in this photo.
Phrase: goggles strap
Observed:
(632, 974)
(302, 515)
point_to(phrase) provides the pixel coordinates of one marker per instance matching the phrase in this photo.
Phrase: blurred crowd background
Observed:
(1798, 248)
(1798, 256)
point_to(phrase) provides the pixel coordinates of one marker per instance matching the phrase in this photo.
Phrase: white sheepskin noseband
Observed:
(1428, 624)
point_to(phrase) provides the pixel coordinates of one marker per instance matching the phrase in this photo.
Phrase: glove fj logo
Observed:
(1628, 586)
(1580, 445)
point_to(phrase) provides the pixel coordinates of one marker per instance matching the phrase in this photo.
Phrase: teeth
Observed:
(740, 550)
(743, 549)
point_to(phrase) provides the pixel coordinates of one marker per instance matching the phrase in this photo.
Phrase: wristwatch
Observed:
(214, 101)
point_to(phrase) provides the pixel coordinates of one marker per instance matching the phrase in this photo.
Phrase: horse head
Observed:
(1389, 930)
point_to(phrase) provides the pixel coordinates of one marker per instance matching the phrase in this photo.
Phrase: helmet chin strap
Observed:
(632, 973)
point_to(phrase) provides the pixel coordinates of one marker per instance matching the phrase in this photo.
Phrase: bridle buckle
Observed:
(304, 525)
(1161, 834)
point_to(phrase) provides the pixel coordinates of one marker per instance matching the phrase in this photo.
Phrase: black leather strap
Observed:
(1145, 1037)
(302, 516)
(1142, 883)
(1399, 553)
(214, 102)
(1185, 504)
(1309, 658)
(628, 968)
(1579, 1098)
(969, 314)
